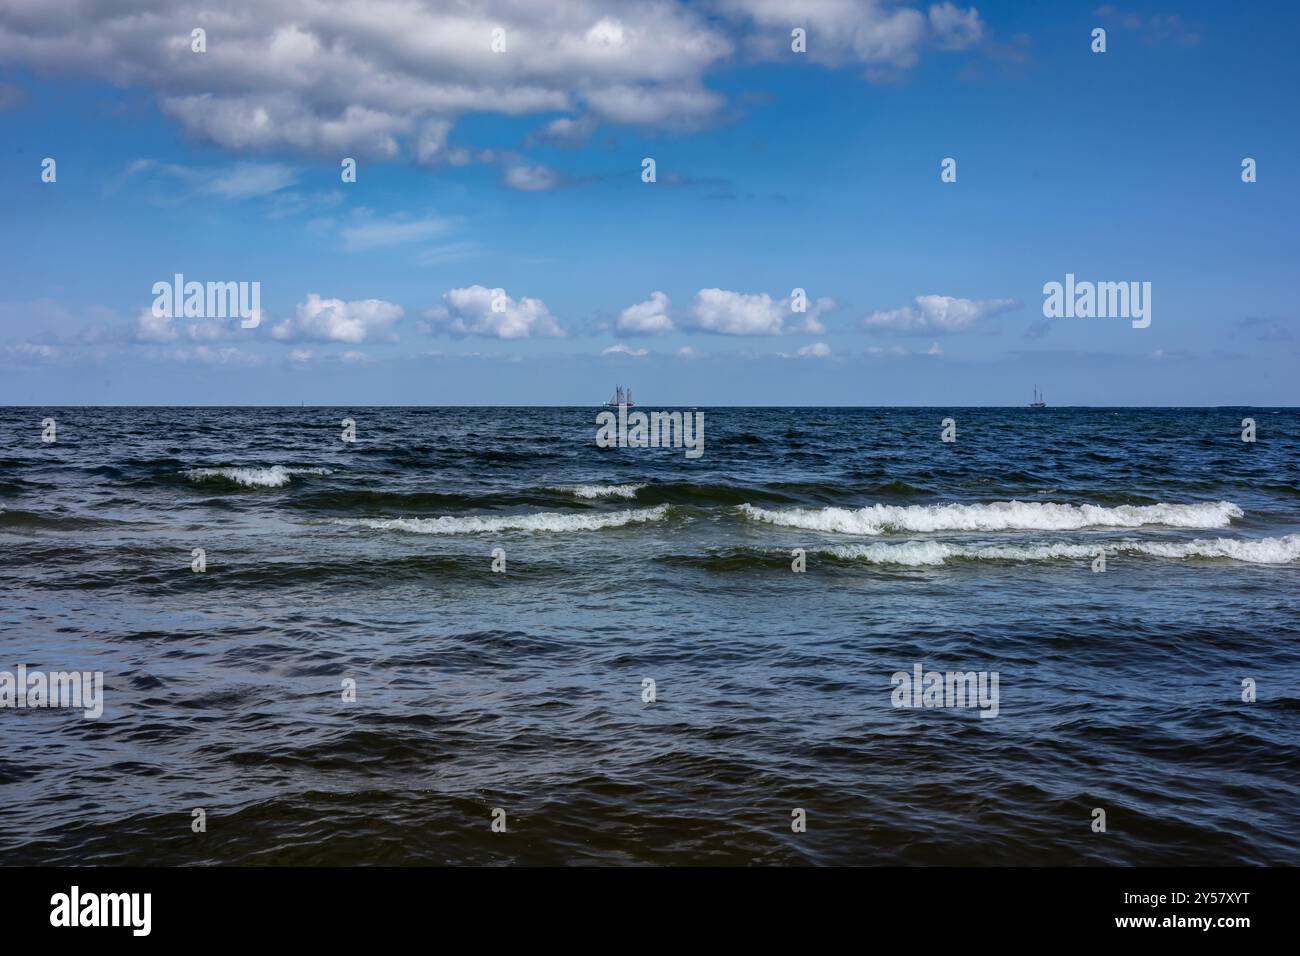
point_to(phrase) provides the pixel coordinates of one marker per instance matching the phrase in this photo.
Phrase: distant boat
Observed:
(1038, 399)
(620, 397)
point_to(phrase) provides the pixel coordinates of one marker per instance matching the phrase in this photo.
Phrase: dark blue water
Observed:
(523, 690)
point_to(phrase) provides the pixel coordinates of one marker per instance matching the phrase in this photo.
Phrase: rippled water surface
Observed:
(522, 690)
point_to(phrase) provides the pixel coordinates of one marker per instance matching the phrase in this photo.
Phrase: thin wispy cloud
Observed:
(232, 181)
(380, 233)
(929, 314)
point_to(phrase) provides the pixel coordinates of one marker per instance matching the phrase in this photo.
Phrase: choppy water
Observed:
(523, 690)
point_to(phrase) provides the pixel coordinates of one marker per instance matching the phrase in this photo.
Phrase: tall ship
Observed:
(621, 397)
(1038, 399)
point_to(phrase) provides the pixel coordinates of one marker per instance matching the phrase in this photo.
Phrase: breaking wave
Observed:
(997, 516)
(929, 553)
(544, 521)
(602, 491)
(277, 476)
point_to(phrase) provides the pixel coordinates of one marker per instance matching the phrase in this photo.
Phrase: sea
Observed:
(473, 636)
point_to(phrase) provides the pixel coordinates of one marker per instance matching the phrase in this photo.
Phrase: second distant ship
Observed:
(620, 397)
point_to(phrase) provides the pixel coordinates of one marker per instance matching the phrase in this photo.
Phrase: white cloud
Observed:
(154, 328)
(811, 324)
(621, 349)
(431, 143)
(654, 106)
(388, 78)
(469, 312)
(568, 131)
(882, 35)
(531, 178)
(737, 313)
(348, 77)
(937, 313)
(646, 318)
(816, 350)
(244, 180)
(150, 328)
(334, 320)
(954, 28)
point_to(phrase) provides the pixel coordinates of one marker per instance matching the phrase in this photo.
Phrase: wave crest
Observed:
(276, 476)
(542, 521)
(932, 553)
(602, 491)
(997, 516)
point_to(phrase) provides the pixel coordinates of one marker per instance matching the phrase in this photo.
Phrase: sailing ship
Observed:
(1038, 399)
(621, 397)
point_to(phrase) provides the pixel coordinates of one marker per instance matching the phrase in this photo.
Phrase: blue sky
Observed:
(521, 171)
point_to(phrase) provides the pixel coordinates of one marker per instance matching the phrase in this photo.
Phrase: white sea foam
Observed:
(997, 516)
(543, 521)
(929, 553)
(277, 476)
(602, 491)
(1254, 550)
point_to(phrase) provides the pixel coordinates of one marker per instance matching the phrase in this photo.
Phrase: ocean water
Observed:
(524, 690)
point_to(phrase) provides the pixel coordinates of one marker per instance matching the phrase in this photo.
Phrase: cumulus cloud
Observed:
(389, 78)
(816, 350)
(723, 312)
(469, 312)
(380, 77)
(883, 36)
(646, 318)
(937, 313)
(531, 178)
(334, 320)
